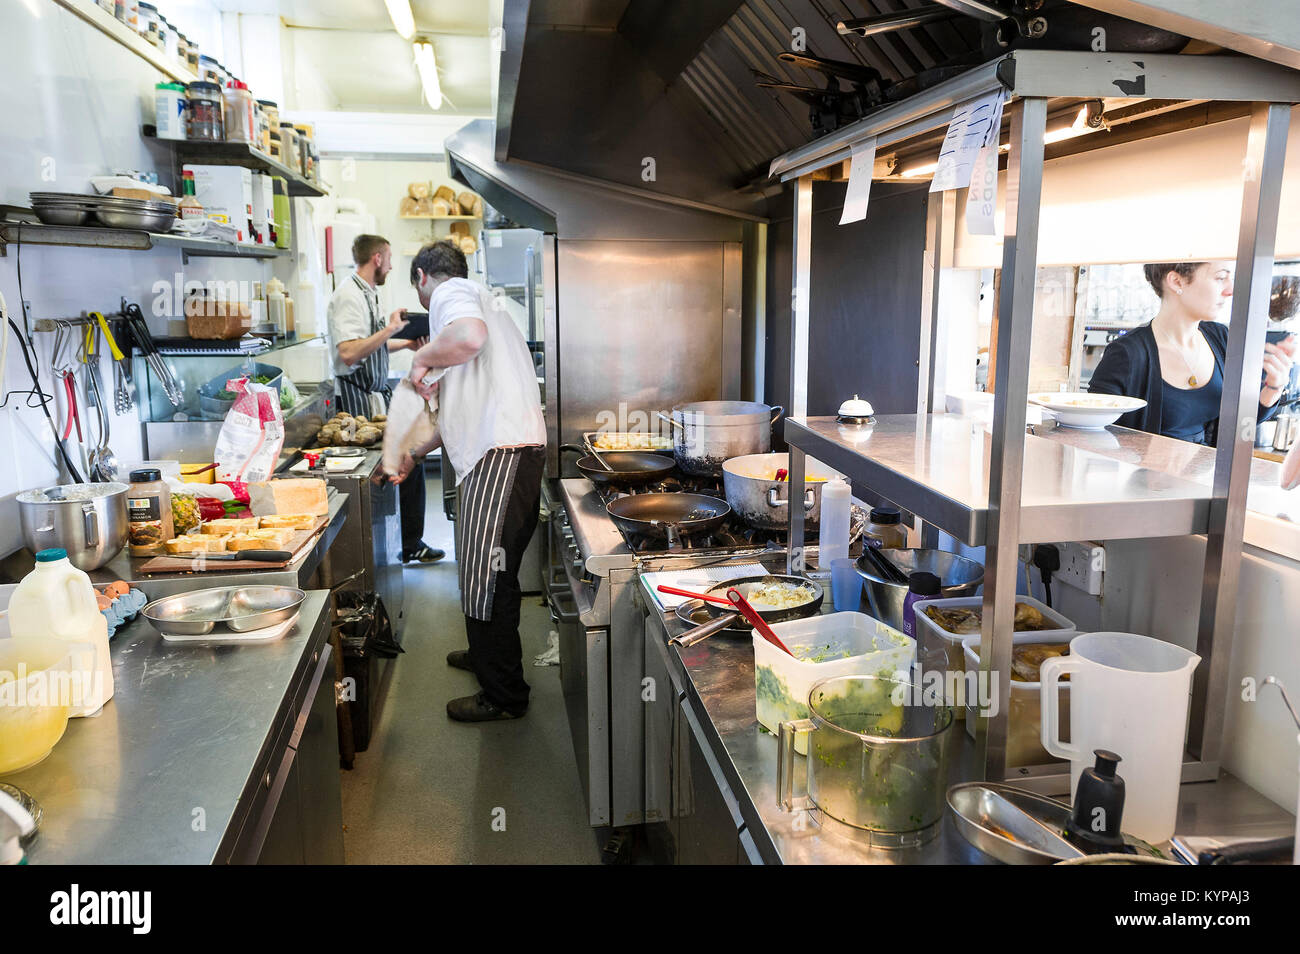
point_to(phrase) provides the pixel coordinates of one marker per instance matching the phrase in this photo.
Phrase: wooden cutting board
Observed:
(300, 542)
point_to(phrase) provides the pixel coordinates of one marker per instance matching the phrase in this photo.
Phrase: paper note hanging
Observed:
(862, 157)
(971, 127)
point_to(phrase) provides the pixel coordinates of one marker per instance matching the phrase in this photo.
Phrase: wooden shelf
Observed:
(444, 218)
(103, 21)
(237, 154)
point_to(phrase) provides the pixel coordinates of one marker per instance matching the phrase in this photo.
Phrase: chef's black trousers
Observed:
(494, 647)
(410, 494)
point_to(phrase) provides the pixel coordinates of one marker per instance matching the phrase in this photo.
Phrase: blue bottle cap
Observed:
(52, 554)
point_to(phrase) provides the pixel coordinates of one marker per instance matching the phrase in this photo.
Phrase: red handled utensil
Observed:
(755, 620)
(665, 588)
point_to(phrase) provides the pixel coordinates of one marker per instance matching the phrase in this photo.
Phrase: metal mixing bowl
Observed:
(61, 213)
(958, 575)
(149, 220)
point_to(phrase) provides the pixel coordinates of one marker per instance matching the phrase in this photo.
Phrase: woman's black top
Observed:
(1130, 365)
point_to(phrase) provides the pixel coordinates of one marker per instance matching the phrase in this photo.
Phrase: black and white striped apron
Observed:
(479, 518)
(356, 389)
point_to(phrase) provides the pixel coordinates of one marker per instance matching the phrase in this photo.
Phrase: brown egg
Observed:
(117, 588)
(104, 602)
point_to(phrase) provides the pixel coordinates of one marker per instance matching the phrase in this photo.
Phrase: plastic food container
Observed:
(34, 709)
(837, 644)
(930, 636)
(205, 112)
(1024, 739)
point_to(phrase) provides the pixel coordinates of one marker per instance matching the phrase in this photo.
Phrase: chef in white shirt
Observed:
(491, 429)
(362, 339)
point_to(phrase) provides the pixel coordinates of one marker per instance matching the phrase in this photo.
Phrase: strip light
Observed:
(1081, 126)
(428, 69)
(399, 11)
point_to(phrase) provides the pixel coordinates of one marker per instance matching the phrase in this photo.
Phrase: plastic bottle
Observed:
(189, 204)
(920, 586)
(56, 601)
(833, 535)
(169, 110)
(275, 305)
(885, 531)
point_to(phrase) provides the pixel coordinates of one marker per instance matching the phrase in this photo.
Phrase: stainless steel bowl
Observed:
(958, 575)
(149, 220)
(240, 609)
(61, 213)
(87, 520)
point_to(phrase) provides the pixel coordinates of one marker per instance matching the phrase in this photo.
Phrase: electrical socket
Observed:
(1082, 566)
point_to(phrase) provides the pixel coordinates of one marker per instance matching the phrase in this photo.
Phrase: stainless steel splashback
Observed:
(636, 327)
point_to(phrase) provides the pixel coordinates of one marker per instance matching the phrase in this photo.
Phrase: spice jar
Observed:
(205, 112)
(241, 125)
(885, 530)
(289, 147)
(271, 117)
(149, 513)
(274, 149)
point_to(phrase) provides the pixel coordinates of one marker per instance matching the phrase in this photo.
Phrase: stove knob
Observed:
(577, 562)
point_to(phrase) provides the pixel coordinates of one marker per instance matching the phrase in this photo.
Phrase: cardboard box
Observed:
(226, 194)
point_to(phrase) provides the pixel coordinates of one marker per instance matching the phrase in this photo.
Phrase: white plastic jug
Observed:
(1129, 694)
(57, 601)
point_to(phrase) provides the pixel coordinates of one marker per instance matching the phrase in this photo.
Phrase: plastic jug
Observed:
(1128, 694)
(833, 534)
(56, 601)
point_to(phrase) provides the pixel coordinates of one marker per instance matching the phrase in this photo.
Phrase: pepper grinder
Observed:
(1099, 805)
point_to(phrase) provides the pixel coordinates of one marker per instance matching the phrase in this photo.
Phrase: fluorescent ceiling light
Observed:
(399, 11)
(428, 68)
(1078, 128)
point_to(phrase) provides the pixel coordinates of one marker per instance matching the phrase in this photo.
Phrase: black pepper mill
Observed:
(1098, 806)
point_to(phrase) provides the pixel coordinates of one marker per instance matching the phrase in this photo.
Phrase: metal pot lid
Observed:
(856, 408)
(723, 412)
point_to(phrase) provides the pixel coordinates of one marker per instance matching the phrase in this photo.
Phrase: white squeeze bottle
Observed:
(56, 601)
(833, 535)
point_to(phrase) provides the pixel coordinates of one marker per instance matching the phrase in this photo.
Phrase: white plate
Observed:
(1082, 409)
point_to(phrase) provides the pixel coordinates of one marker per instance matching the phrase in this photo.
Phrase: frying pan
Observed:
(667, 515)
(630, 467)
(747, 584)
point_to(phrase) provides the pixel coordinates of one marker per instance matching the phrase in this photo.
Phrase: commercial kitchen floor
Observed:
(432, 791)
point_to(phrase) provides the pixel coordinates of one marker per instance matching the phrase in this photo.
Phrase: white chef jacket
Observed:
(491, 400)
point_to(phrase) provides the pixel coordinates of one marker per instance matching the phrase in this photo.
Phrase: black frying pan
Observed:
(667, 515)
(630, 467)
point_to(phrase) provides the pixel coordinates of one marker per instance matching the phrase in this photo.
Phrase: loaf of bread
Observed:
(230, 525)
(198, 543)
(446, 193)
(418, 190)
(466, 202)
(261, 540)
(295, 495)
(424, 206)
(443, 207)
(289, 521)
(468, 245)
(458, 228)
(407, 206)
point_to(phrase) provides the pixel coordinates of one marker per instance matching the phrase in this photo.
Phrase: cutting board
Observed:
(298, 544)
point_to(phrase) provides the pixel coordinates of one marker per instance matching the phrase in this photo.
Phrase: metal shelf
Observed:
(938, 467)
(237, 154)
(88, 236)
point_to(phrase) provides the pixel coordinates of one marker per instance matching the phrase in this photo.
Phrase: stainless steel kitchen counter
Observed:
(718, 677)
(161, 775)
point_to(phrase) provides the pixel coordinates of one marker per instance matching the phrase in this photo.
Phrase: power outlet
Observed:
(1082, 566)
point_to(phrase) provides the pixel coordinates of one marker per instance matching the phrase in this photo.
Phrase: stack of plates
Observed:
(70, 208)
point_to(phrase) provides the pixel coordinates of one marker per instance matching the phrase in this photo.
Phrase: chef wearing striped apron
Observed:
(491, 430)
(362, 339)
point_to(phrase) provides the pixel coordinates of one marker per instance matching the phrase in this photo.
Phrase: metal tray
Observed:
(239, 609)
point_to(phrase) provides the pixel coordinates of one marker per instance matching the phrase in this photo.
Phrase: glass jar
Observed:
(168, 39)
(885, 530)
(128, 11)
(149, 513)
(205, 107)
(149, 23)
(274, 149)
(209, 71)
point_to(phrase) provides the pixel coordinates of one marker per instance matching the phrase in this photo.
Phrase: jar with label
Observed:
(271, 116)
(240, 125)
(274, 149)
(128, 11)
(289, 146)
(169, 39)
(885, 530)
(209, 71)
(169, 110)
(149, 513)
(190, 208)
(149, 23)
(205, 112)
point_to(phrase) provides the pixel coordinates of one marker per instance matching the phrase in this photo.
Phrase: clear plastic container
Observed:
(1025, 716)
(838, 644)
(205, 112)
(240, 115)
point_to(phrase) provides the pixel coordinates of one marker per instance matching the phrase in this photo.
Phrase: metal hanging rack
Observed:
(990, 509)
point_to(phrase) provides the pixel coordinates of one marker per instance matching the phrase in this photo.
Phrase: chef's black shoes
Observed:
(422, 554)
(478, 708)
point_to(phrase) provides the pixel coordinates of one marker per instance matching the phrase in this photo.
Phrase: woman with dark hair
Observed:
(1175, 362)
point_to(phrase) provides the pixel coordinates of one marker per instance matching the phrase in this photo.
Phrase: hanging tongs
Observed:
(140, 332)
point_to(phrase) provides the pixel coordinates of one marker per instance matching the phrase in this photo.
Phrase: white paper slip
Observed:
(697, 581)
(970, 128)
(862, 157)
(982, 197)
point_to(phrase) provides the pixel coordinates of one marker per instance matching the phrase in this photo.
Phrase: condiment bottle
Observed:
(920, 586)
(189, 204)
(149, 512)
(275, 305)
(56, 601)
(833, 533)
(885, 530)
(1098, 806)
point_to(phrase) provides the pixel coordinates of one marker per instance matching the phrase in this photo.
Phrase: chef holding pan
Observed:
(490, 427)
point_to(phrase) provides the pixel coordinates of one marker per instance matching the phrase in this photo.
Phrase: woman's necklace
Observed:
(1182, 353)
